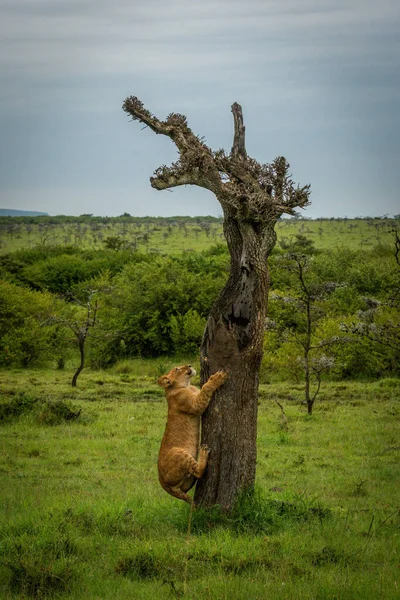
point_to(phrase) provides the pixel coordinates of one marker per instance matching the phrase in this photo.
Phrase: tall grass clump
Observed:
(19, 405)
(45, 411)
(255, 513)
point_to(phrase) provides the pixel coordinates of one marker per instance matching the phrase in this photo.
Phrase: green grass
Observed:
(172, 239)
(83, 516)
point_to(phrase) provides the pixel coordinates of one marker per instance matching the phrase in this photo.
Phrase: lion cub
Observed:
(178, 466)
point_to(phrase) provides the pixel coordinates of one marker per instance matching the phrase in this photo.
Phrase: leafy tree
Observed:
(80, 325)
(61, 271)
(57, 274)
(186, 332)
(155, 297)
(379, 320)
(114, 242)
(23, 340)
(300, 243)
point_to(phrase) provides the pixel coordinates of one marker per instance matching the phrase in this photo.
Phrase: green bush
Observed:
(24, 339)
(16, 407)
(153, 303)
(186, 332)
(54, 413)
(46, 412)
(58, 274)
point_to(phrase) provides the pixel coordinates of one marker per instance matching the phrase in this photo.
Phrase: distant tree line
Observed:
(338, 319)
(89, 218)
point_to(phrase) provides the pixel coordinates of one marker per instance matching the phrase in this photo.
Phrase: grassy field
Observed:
(170, 237)
(83, 516)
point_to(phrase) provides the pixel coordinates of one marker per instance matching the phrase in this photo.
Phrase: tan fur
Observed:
(180, 462)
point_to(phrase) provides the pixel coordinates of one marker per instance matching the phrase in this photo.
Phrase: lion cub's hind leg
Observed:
(188, 483)
(189, 465)
(180, 479)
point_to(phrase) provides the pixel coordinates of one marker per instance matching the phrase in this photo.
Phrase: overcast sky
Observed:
(318, 80)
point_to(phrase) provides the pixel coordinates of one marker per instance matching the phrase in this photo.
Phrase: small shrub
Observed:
(47, 412)
(54, 413)
(17, 407)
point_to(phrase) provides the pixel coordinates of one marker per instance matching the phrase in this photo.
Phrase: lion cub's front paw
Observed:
(219, 377)
(204, 450)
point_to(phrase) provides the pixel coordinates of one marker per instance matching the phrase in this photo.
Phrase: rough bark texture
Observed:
(233, 341)
(252, 196)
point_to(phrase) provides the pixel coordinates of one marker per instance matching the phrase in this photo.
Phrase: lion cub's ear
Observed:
(164, 381)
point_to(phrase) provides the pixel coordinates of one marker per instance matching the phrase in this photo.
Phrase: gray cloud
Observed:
(318, 82)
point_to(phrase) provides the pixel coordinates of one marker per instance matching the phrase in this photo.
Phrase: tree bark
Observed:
(252, 196)
(233, 342)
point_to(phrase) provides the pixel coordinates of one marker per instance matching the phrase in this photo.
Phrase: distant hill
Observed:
(9, 212)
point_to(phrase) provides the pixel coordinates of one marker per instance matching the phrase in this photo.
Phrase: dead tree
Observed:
(253, 196)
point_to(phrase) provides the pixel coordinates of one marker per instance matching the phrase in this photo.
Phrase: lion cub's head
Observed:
(177, 377)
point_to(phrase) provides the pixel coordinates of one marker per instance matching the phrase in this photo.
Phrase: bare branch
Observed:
(318, 376)
(244, 187)
(331, 342)
(196, 164)
(175, 126)
(190, 169)
(138, 112)
(166, 178)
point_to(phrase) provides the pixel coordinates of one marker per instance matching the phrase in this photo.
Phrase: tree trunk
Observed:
(233, 342)
(82, 363)
(309, 402)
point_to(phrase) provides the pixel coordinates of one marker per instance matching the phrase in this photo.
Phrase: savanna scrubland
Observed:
(83, 514)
